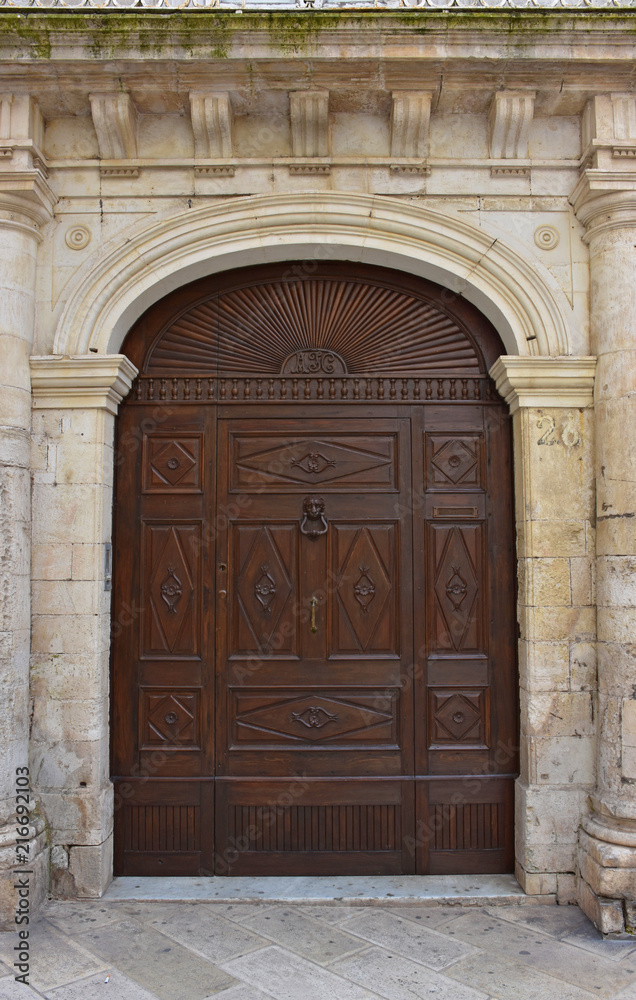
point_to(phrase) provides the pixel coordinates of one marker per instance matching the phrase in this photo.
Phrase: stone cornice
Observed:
(605, 200)
(222, 37)
(26, 200)
(88, 381)
(540, 382)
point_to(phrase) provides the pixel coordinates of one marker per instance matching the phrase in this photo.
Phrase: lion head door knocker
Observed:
(314, 522)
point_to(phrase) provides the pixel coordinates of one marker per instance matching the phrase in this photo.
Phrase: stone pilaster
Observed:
(26, 205)
(551, 405)
(74, 405)
(605, 202)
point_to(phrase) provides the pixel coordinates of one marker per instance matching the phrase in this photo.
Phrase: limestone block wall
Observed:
(72, 461)
(557, 655)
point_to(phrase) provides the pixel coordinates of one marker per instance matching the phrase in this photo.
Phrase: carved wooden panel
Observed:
(172, 464)
(171, 589)
(466, 824)
(262, 603)
(269, 462)
(315, 718)
(364, 598)
(458, 718)
(159, 827)
(454, 462)
(315, 828)
(168, 719)
(470, 826)
(314, 388)
(273, 326)
(456, 587)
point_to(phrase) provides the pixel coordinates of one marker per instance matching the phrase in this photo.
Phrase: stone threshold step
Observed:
(466, 890)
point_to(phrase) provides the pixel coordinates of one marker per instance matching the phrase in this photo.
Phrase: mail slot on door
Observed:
(456, 508)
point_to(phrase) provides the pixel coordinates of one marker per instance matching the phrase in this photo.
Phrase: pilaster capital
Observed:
(85, 381)
(26, 200)
(605, 200)
(542, 382)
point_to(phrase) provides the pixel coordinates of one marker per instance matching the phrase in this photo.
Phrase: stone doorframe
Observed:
(75, 396)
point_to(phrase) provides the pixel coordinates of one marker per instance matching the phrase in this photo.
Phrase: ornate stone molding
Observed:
(608, 132)
(509, 122)
(605, 200)
(212, 120)
(26, 200)
(544, 381)
(520, 297)
(309, 111)
(82, 382)
(410, 118)
(115, 121)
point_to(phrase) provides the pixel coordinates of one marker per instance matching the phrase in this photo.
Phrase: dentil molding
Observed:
(86, 381)
(532, 381)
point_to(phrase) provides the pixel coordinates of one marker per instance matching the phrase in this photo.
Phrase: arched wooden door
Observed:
(314, 632)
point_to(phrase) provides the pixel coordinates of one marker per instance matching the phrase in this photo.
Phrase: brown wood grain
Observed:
(385, 740)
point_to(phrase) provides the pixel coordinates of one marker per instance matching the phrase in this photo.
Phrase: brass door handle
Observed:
(314, 602)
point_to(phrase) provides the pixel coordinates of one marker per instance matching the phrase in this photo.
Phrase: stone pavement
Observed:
(111, 950)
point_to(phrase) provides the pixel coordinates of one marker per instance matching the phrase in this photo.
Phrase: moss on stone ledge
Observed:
(210, 33)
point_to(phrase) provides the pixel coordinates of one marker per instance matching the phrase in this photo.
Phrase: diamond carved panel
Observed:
(172, 465)
(363, 589)
(171, 618)
(263, 589)
(458, 718)
(169, 719)
(454, 461)
(456, 587)
(361, 459)
(314, 718)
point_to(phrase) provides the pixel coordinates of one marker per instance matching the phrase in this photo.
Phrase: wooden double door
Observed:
(313, 639)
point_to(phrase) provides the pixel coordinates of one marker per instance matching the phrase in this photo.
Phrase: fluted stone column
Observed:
(25, 206)
(605, 201)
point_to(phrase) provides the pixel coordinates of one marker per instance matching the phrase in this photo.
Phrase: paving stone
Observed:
(427, 916)
(75, 918)
(397, 978)
(156, 962)
(333, 915)
(519, 944)
(557, 921)
(406, 937)
(198, 927)
(118, 987)
(237, 911)
(241, 993)
(10, 990)
(629, 993)
(290, 927)
(512, 980)
(285, 976)
(54, 958)
(588, 937)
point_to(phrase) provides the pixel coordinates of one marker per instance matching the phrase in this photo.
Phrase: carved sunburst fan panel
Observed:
(321, 323)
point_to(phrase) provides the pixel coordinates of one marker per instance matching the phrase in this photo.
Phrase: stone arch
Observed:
(519, 297)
